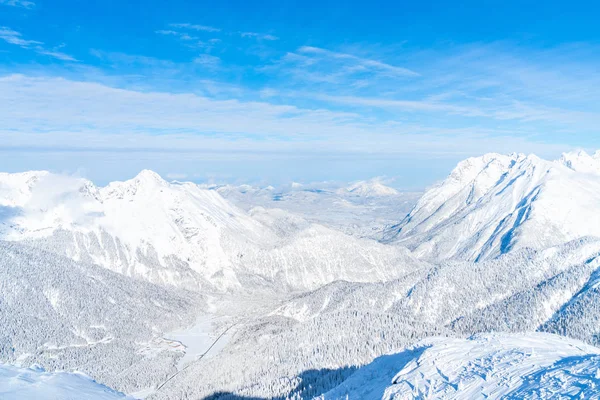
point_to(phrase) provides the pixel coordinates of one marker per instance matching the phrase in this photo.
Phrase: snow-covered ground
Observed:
(201, 339)
(37, 384)
(489, 366)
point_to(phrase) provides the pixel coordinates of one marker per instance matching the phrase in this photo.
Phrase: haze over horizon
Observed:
(274, 92)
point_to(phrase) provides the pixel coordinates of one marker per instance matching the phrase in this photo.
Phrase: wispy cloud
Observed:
(18, 3)
(207, 60)
(260, 36)
(188, 40)
(360, 62)
(548, 93)
(180, 35)
(176, 175)
(195, 27)
(511, 110)
(316, 65)
(16, 38)
(73, 114)
(56, 54)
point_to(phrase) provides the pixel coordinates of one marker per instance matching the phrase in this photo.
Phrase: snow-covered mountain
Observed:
(371, 188)
(552, 290)
(183, 235)
(527, 366)
(145, 227)
(496, 203)
(62, 315)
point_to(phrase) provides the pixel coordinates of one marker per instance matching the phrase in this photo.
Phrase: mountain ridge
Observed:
(491, 204)
(184, 235)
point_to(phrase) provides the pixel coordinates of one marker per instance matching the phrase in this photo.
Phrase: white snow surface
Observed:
(37, 384)
(496, 203)
(199, 340)
(524, 366)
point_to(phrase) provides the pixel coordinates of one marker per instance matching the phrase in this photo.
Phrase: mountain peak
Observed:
(581, 161)
(467, 169)
(492, 204)
(149, 176)
(371, 188)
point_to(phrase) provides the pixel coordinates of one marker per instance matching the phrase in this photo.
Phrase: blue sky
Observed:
(278, 91)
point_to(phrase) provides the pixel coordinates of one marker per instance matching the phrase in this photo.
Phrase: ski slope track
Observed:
(496, 203)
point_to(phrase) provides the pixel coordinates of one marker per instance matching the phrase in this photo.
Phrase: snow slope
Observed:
(555, 290)
(496, 203)
(36, 384)
(182, 235)
(484, 366)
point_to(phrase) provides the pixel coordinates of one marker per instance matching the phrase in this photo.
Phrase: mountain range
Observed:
(183, 235)
(322, 291)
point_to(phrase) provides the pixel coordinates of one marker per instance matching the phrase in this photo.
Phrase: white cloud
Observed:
(176, 175)
(56, 54)
(207, 60)
(16, 38)
(18, 3)
(361, 63)
(85, 115)
(180, 35)
(204, 28)
(550, 93)
(188, 40)
(258, 36)
(320, 66)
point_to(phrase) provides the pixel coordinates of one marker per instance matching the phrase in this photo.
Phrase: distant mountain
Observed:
(362, 209)
(371, 188)
(496, 203)
(183, 235)
(532, 366)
